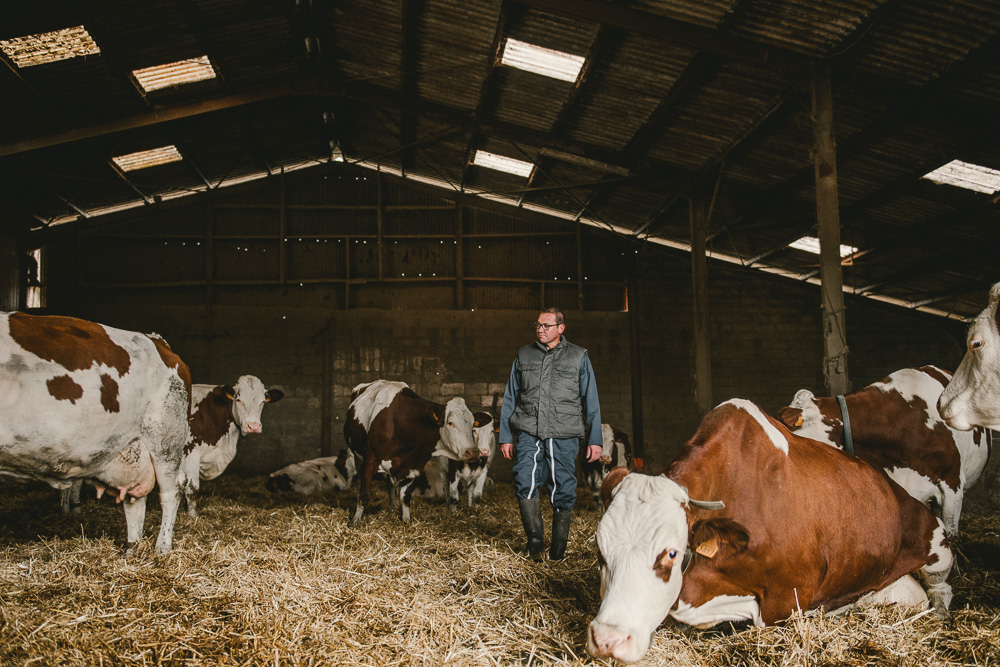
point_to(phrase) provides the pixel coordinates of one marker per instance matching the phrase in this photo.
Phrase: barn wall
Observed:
(10, 274)
(440, 354)
(231, 285)
(766, 343)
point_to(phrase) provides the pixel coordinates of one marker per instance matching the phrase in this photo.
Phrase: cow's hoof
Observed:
(356, 519)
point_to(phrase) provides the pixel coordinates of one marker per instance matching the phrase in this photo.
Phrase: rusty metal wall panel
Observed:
(246, 259)
(327, 222)
(418, 259)
(315, 259)
(404, 296)
(128, 260)
(499, 296)
(246, 222)
(419, 221)
(535, 259)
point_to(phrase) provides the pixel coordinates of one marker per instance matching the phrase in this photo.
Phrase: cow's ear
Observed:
(719, 538)
(437, 414)
(611, 483)
(791, 417)
(273, 395)
(228, 391)
(476, 423)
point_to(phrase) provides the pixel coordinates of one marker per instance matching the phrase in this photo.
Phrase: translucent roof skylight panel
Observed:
(502, 163)
(811, 244)
(152, 157)
(967, 175)
(537, 59)
(50, 47)
(189, 70)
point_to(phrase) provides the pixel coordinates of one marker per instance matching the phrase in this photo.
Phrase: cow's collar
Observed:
(846, 417)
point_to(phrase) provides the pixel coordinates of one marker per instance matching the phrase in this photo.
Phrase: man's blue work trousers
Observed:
(550, 463)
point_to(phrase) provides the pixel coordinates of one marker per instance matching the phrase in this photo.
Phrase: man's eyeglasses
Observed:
(546, 327)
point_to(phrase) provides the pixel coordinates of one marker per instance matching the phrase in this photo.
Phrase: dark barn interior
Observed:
(727, 198)
(320, 209)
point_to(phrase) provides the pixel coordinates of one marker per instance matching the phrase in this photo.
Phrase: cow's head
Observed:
(483, 433)
(248, 397)
(456, 424)
(972, 398)
(804, 417)
(641, 541)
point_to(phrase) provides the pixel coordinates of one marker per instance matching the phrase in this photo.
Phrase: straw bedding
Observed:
(260, 579)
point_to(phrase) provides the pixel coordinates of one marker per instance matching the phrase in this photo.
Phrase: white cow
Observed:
(973, 396)
(81, 400)
(220, 416)
(315, 476)
(460, 476)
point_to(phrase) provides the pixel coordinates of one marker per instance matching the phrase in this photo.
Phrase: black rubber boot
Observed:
(560, 533)
(531, 518)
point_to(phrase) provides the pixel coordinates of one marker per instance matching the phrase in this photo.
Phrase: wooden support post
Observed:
(209, 262)
(326, 409)
(699, 293)
(635, 364)
(282, 228)
(459, 258)
(379, 222)
(828, 216)
(579, 266)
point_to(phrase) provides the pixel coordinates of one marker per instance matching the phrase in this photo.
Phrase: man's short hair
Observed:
(558, 313)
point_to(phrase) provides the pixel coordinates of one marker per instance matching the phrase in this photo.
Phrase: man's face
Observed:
(547, 330)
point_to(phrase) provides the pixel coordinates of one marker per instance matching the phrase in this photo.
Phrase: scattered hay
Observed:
(261, 579)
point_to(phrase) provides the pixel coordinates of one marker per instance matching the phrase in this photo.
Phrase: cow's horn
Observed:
(707, 504)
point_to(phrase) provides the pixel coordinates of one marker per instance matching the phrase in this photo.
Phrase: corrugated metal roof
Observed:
(671, 94)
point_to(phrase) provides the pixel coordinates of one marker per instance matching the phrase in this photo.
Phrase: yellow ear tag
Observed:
(798, 422)
(708, 548)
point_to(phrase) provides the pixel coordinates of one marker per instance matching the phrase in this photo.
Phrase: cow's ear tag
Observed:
(708, 548)
(798, 422)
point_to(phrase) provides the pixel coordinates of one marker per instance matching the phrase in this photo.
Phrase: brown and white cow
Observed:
(804, 526)
(447, 478)
(973, 396)
(895, 425)
(220, 416)
(616, 452)
(315, 476)
(81, 400)
(395, 431)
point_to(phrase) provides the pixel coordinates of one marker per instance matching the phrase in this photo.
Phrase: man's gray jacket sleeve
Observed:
(510, 395)
(591, 404)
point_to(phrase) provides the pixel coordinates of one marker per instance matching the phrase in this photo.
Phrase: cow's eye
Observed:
(976, 343)
(451, 424)
(672, 554)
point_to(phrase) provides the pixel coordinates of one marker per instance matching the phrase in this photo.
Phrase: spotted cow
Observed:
(315, 476)
(395, 431)
(616, 451)
(796, 524)
(972, 398)
(80, 400)
(895, 425)
(447, 478)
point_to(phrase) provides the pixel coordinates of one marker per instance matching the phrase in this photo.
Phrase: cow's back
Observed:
(822, 528)
(75, 393)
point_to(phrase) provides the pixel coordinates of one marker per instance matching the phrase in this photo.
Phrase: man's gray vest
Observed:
(549, 405)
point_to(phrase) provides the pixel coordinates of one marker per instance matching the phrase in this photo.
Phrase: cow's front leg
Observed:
(364, 487)
(934, 576)
(135, 517)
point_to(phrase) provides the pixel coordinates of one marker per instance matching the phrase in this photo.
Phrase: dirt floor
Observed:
(264, 579)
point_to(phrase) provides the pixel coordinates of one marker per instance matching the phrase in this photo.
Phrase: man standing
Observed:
(551, 398)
